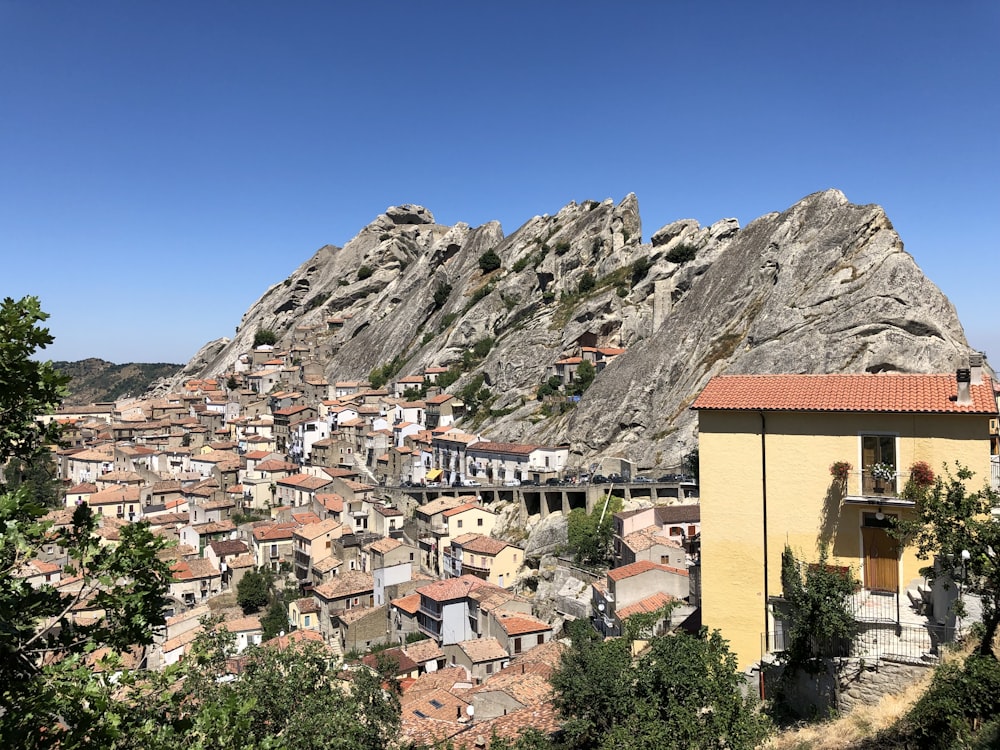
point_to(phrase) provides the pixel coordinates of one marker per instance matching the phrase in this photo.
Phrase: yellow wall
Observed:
(506, 563)
(803, 504)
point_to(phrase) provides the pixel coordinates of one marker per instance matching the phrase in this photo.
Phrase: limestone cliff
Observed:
(822, 287)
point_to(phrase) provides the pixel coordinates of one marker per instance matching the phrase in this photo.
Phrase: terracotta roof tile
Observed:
(649, 604)
(483, 649)
(906, 393)
(518, 623)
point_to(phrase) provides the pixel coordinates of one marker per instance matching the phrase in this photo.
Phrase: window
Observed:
(489, 668)
(517, 645)
(692, 530)
(541, 638)
(676, 531)
(877, 449)
(306, 620)
(479, 522)
(459, 524)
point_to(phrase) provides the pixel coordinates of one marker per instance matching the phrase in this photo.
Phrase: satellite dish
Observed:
(470, 710)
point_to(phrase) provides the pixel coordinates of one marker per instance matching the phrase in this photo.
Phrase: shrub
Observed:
(522, 263)
(318, 300)
(364, 272)
(587, 282)
(264, 337)
(482, 347)
(640, 268)
(441, 294)
(682, 254)
(489, 261)
(562, 247)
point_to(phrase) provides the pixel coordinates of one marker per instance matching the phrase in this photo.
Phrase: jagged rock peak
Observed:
(824, 286)
(409, 214)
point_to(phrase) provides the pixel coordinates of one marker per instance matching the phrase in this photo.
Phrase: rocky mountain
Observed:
(824, 286)
(93, 380)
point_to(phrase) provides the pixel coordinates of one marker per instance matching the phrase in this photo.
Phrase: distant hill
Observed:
(96, 380)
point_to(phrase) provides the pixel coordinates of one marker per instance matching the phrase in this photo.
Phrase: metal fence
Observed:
(878, 640)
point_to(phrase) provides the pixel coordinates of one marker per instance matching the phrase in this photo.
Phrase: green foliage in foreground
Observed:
(961, 708)
(952, 520)
(683, 691)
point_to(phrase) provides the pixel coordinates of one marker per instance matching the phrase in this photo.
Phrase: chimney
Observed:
(962, 376)
(976, 368)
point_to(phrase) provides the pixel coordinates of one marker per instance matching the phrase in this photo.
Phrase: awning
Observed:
(433, 474)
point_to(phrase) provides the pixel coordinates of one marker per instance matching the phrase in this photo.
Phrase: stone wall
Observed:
(864, 683)
(846, 684)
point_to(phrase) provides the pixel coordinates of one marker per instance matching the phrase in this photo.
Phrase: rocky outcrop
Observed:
(824, 286)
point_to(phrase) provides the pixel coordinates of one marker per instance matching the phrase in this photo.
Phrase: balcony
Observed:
(874, 487)
(478, 570)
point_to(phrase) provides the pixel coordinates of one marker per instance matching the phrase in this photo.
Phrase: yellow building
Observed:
(767, 444)
(493, 560)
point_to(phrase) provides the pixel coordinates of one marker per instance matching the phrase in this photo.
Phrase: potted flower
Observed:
(921, 474)
(839, 470)
(882, 473)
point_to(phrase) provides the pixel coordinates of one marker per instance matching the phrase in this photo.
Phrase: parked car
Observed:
(643, 480)
(598, 479)
(529, 482)
(471, 483)
(512, 483)
(553, 482)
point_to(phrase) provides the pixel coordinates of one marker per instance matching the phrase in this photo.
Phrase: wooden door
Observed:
(881, 560)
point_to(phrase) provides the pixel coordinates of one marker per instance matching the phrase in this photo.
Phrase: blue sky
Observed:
(161, 164)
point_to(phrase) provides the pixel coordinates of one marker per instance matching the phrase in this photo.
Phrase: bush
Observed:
(682, 254)
(489, 261)
(959, 698)
(640, 268)
(441, 294)
(264, 337)
(587, 282)
(318, 300)
(364, 272)
(252, 592)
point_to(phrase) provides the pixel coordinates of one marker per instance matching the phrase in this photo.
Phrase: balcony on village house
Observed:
(480, 570)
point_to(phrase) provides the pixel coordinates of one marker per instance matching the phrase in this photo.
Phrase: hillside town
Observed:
(403, 531)
(400, 531)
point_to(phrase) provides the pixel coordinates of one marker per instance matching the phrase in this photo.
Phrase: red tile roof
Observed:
(650, 604)
(906, 393)
(640, 566)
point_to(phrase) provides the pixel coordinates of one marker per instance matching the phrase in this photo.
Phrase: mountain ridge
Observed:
(824, 286)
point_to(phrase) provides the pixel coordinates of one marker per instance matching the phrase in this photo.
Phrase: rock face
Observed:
(823, 287)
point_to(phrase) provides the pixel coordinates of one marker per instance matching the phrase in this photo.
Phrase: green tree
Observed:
(252, 592)
(441, 294)
(275, 621)
(38, 475)
(289, 698)
(264, 337)
(682, 254)
(585, 374)
(684, 691)
(589, 535)
(955, 527)
(587, 282)
(232, 383)
(692, 463)
(817, 595)
(28, 388)
(489, 261)
(44, 673)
